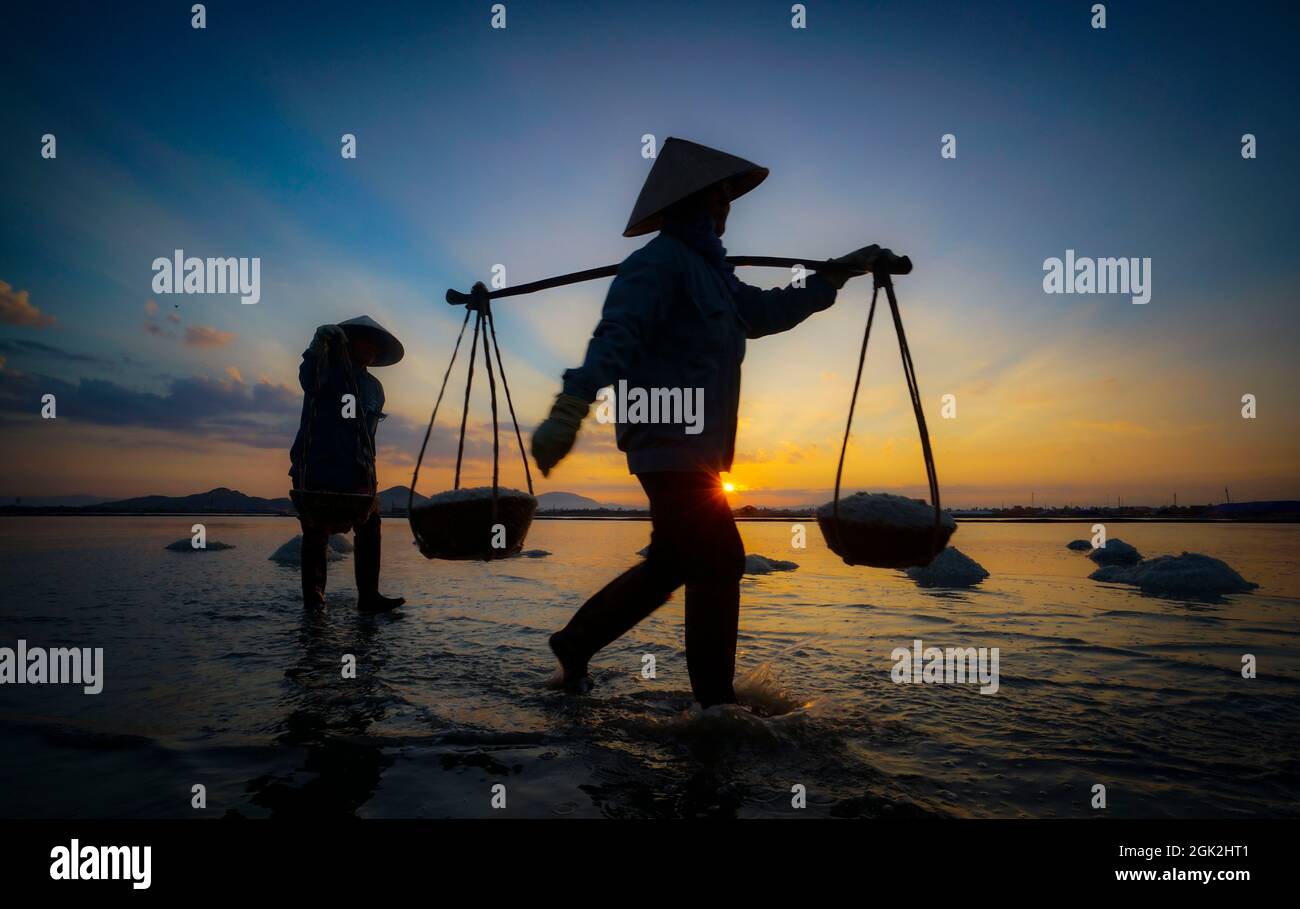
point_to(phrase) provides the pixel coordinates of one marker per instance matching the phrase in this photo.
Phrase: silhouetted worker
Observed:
(677, 317)
(340, 449)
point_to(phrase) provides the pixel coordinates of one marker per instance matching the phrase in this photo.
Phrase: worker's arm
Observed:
(637, 299)
(322, 356)
(767, 312)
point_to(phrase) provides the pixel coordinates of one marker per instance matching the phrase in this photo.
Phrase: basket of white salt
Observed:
(469, 524)
(884, 531)
(483, 522)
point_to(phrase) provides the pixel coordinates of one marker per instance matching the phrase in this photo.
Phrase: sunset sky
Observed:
(522, 147)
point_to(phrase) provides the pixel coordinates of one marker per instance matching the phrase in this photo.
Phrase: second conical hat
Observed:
(389, 348)
(682, 169)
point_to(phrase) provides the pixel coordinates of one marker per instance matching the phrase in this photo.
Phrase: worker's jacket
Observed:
(340, 450)
(670, 321)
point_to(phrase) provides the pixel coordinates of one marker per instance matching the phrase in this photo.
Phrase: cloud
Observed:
(22, 347)
(399, 441)
(207, 336)
(263, 415)
(163, 331)
(16, 309)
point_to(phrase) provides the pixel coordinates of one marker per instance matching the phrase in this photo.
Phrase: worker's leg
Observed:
(639, 591)
(713, 604)
(712, 620)
(314, 541)
(366, 539)
(607, 616)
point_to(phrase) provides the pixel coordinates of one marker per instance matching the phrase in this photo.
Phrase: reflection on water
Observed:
(214, 675)
(328, 716)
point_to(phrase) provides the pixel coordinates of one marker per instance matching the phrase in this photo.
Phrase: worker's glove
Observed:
(328, 338)
(557, 433)
(859, 261)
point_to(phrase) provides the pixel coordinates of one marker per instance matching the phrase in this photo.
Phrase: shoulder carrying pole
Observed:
(896, 265)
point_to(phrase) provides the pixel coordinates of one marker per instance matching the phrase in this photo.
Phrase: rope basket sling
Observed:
(339, 511)
(875, 543)
(471, 525)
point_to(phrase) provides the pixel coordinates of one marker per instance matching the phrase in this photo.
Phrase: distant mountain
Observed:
(219, 500)
(394, 499)
(72, 501)
(222, 499)
(571, 501)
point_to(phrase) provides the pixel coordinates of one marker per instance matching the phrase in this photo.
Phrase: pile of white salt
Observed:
(1188, 575)
(950, 568)
(884, 508)
(1115, 552)
(757, 564)
(475, 493)
(291, 552)
(186, 544)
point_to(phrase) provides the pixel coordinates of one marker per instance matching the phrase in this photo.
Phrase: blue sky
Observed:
(522, 147)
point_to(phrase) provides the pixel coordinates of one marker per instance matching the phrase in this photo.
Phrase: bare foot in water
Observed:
(374, 605)
(571, 673)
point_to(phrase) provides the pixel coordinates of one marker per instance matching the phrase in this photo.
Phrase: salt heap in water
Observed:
(757, 564)
(186, 544)
(291, 552)
(1115, 552)
(1188, 575)
(950, 568)
(476, 492)
(884, 508)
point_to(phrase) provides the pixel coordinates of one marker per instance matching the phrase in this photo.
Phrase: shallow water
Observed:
(215, 676)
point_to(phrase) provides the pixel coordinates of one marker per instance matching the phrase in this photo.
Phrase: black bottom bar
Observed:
(547, 859)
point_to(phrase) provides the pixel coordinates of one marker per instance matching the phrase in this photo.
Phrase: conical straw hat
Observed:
(390, 349)
(682, 169)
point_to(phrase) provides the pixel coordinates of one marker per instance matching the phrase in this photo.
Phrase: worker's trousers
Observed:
(693, 542)
(365, 558)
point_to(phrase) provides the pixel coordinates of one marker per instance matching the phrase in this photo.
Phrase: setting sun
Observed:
(728, 487)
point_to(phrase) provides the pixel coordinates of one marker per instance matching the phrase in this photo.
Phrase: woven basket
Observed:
(883, 545)
(463, 529)
(341, 510)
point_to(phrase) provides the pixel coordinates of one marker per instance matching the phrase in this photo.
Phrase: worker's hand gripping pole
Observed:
(479, 298)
